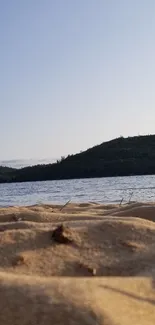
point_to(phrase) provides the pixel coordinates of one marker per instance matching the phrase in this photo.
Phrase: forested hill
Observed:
(119, 157)
(6, 174)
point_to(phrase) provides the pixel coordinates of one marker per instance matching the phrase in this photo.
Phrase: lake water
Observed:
(102, 190)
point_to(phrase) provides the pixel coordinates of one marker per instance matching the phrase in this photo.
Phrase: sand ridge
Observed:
(110, 244)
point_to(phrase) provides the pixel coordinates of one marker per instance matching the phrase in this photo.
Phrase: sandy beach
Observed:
(82, 264)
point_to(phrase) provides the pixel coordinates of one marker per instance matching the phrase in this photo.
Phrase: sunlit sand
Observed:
(104, 273)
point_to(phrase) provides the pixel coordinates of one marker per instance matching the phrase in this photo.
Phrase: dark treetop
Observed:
(119, 157)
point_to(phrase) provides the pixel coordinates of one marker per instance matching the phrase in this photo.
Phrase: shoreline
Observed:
(71, 178)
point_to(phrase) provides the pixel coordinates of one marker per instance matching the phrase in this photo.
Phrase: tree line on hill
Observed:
(118, 157)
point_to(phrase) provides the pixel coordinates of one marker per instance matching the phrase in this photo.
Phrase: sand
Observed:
(102, 274)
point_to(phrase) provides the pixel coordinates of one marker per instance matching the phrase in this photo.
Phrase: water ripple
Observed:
(102, 190)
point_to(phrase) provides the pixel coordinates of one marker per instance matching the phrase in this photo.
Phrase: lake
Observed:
(101, 190)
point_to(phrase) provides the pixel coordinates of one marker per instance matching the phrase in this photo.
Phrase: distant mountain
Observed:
(20, 163)
(118, 157)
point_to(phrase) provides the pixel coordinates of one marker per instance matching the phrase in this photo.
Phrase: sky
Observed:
(74, 74)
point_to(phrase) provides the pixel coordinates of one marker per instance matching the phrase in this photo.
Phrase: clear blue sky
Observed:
(74, 73)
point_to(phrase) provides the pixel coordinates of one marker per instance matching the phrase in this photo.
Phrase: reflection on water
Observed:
(102, 190)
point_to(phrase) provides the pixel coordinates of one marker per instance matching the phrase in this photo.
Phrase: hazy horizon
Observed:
(20, 163)
(74, 74)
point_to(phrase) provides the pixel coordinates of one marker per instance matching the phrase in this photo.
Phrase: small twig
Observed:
(121, 201)
(130, 197)
(65, 205)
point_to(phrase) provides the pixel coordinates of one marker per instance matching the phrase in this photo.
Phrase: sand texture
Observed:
(82, 264)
